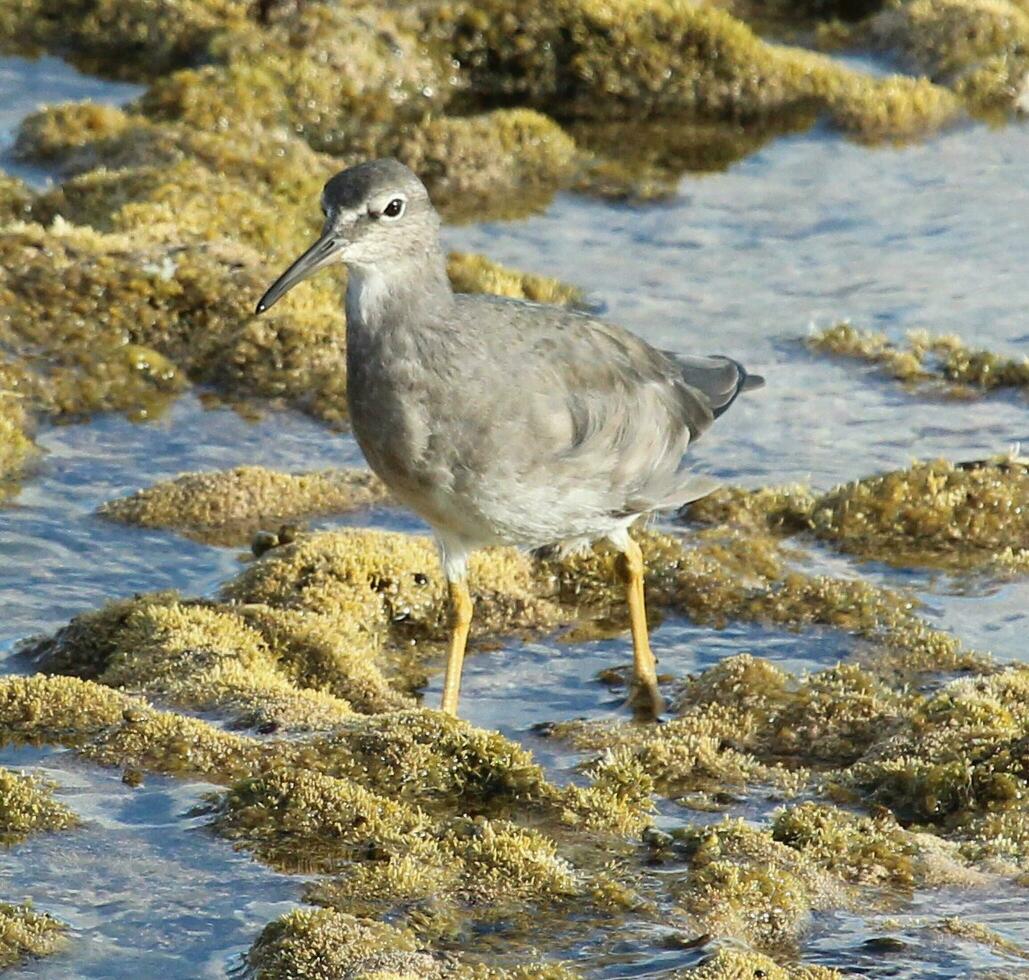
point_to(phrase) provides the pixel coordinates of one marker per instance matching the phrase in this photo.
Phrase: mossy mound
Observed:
(27, 806)
(980, 48)
(15, 199)
(734, 964)
(477, 274)
(741, 883)
(943, 364)
(957, 757)
(935, 514)
(133, 39)
(502, 164)
(106, 322)
(227, 506)
(371, 582)
(334, 75)
(745, 722)
(668, 57)
(322, 944)
(26, 934)
(16, 445)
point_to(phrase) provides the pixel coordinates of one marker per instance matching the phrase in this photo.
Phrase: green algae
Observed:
(105, 322)
(331, 74)
(227, 506)
(27, 806)
(25, 934)
(940, 363)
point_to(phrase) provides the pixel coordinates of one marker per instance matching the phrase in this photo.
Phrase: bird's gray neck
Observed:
(401, 290)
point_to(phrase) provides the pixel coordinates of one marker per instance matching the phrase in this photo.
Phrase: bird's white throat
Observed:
(368, 292)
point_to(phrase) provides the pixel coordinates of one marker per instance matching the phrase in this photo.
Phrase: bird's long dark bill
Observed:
(310, 262)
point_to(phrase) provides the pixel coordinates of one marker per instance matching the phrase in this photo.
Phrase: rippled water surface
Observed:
(808, 231)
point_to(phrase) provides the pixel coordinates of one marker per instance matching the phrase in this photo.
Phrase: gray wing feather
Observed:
(607, 405)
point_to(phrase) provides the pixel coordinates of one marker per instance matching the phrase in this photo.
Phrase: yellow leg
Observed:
(644, 695)
(460, 623)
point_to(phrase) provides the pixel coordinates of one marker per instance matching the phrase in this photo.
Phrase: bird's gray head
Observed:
(376, 213)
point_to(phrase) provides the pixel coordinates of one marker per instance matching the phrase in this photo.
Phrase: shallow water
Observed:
(807, 231)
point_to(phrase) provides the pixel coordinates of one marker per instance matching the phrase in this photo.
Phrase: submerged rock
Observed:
(227, 506)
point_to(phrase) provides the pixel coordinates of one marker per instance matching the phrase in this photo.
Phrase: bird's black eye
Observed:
(394, 209)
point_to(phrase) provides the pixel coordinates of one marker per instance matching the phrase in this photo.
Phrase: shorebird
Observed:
(500, 421)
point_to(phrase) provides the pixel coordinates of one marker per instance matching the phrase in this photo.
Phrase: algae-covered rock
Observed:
(502, 164)
(27, 806)
(933, 514)
(122, 38)
(26, 934)
(734, 964)
(477, 274)
(228, 506)
(16, 446)
(15, 199)
(944, 363)
(980, 48)
(742, 883)
(122, 322)
(376, 581)
(330, 73)
(667, 57)
(323, 944)
(957, 755)
(937, 514)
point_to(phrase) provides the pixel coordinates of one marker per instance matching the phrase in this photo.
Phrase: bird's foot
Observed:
(645, 701)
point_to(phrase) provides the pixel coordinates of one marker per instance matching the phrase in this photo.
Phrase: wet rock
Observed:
(227, 506)
(27, 806)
